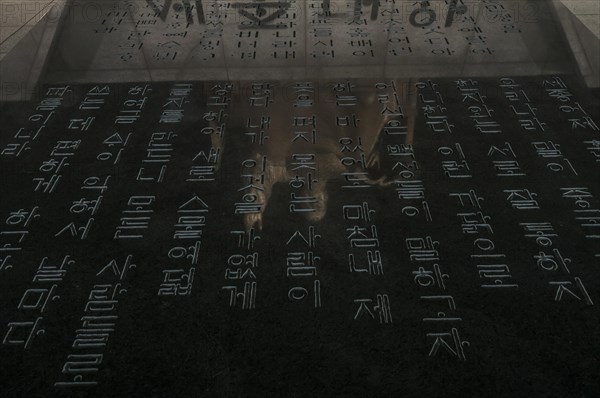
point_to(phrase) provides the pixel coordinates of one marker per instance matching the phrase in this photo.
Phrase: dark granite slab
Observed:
(278, 238)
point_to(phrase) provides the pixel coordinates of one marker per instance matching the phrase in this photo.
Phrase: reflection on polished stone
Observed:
(302, 198)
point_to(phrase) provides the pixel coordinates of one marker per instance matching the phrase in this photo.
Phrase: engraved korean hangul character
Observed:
(466, 84)
(405, 168)
(218, 100)
(429, 278)
(181, 89)
(557, 167)
(37, 299)
(573, 108)
(553, 261)
(250, 204)
(82, 366)
(346, 100)
(554, 82)
(246, 297)
(177, 282)
(139, 90)
(48, 272)
(474, 223)
(454, 169)
(343, 87)
(410, 190)
(302, 204)
(65, 148)
(382, 308)
(137, 225)
(215, 116)
(359, 237)
(299, 293)
(593, 148)
(239, 274)
(347, 120)
(347, 144)
(81, 124)
(261, 95)
(374, 264)
(257, 137)
(300, 182)
(480, 112)
(581, 195)
(439, 124)
(128, 116)
(243, 260)
(91, 103)
(47, 185)
(392, 111)
(450, 342)
(117, 140)
(473, 95)
(547, 149)
(412, 211)
(11, 240)
(303, 161)
(40, 117)
(190, 253)
(356, 180)
(567, 289)
(91, 338)
(448, 301)
(23, 333)
(15, 149)
(246, 238)
(309, 239)
(586, 123)
(487, 126)
(401, 150)
(301, 264)
(304, 95)
(561, 94)
(189, 227)
(202, 174)
(118, 271)
(5, 262)
(58, 91)
(21, 217)
(53, 165)
(495, 276)
(49, 104)
(306, 136)
(543, 232)
(507, 168)
(532, 124)
(140, 204)
(106, 156)
(99, 91)
(358, 212)
(395, 127)
(522, 199)
(175, 103)
(353, 162)
(422, 249)
(76, 230)
(28, 134)
(212, 157)
(170, 116)
(589, 220)
(506, 82)
(96, 183)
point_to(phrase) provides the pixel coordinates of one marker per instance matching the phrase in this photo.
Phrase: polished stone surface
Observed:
(187, 213)
(349, 238)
